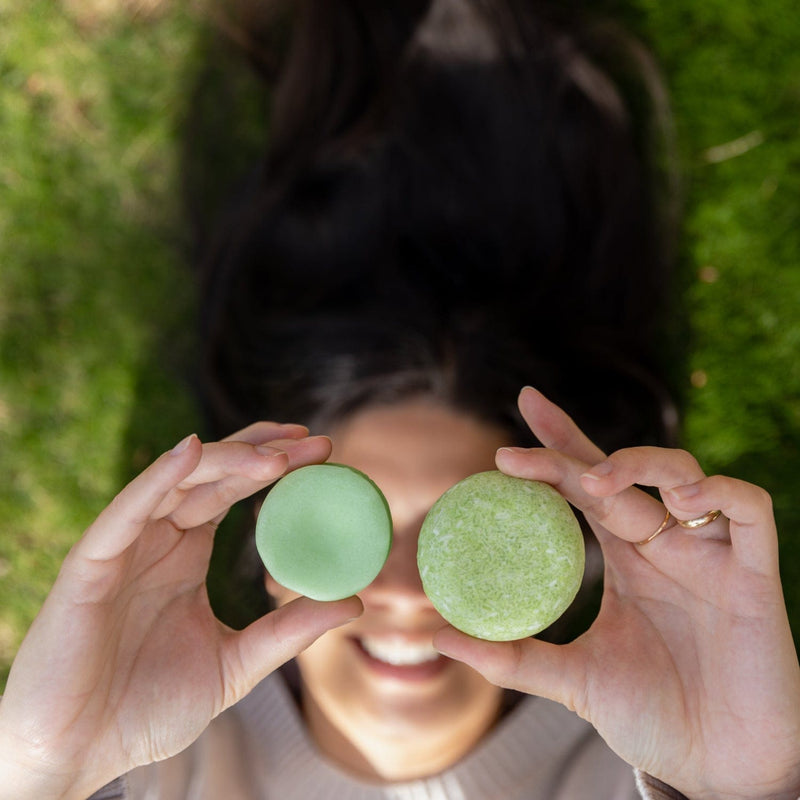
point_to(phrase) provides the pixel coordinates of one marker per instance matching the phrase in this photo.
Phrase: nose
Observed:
(398, 583)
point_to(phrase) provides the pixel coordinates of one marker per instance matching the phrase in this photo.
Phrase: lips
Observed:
(399, 652)
(400, 658)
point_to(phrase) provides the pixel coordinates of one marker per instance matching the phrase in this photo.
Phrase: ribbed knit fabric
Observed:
(537, 743)
(652, 787)
(260, 750)
(114, 791)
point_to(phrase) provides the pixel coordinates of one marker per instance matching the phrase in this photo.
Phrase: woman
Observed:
(382, 283)
(689, 671)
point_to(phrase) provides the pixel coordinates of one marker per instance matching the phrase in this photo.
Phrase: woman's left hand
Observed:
(689, 671)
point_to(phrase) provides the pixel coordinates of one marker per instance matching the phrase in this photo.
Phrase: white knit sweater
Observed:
(260, 750)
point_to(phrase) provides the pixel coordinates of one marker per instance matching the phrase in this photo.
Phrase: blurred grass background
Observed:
(96, 300)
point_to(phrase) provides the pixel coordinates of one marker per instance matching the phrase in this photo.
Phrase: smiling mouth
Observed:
(400, 659)
(399, 653)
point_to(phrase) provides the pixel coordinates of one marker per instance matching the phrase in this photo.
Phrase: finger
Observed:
(631, 514)
(261, 432)
(225, 469)
(230, 459)
(191, 506)
(527, 665)
(748, 509)
(555, 429)
(118, 525)
(648, 466)
(277, 637)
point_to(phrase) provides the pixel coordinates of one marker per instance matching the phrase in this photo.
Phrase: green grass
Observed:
(91, 282)
(95, 300)
(734, 73)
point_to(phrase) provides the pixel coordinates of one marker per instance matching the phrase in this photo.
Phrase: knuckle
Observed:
(738, 490)
(624, 455)
(687, 461)
(507, 671)
(116, 506)
(561, 440)
(600, 509)
(763, 498)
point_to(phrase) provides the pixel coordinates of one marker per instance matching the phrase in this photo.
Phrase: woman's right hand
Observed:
(126, 663)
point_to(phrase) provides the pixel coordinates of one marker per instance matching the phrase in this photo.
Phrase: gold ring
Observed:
(699, 522)
(660, 529)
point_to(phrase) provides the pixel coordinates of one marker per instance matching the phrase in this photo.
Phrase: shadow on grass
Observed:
(221, 134)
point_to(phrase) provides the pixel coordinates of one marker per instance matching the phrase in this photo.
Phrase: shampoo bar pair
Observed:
(500, 557)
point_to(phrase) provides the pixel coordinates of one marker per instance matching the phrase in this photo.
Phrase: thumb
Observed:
(269, 642)
(526, 665)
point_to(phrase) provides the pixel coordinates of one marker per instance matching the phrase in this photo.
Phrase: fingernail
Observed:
(444, 648)
(599, 471)
(684, 492)
(269, 452)
(294, 427)
(182, 445)
(286, 444)
(512, 450)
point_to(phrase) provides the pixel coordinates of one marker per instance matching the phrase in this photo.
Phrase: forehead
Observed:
(416, 442)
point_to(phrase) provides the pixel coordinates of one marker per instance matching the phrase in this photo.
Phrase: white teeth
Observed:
(400, 653)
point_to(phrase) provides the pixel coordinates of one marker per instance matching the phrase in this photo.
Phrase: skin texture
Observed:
(689, 671)
(501, 558)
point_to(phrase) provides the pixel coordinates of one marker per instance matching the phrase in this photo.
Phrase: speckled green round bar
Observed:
(501, 558)
(324, 531)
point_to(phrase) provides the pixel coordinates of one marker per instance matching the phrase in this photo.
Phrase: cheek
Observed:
(326, 667)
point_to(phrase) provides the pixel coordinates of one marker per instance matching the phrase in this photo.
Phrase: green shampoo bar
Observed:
(500, 557)
(324, 531)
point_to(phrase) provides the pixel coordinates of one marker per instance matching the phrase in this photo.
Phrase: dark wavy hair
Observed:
(457, 198)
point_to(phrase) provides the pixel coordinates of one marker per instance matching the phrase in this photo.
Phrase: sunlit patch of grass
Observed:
(734, 72)
(92, 289)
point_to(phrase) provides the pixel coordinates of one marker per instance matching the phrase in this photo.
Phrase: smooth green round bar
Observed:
(501, 558)
(324, 531)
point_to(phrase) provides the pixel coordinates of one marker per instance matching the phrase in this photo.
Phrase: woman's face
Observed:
(379, 700)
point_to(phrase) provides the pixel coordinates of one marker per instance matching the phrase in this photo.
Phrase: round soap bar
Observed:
(324, 531)
(501, 558)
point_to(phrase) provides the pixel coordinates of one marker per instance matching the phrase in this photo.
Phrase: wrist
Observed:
(24, 777)
(20, 783)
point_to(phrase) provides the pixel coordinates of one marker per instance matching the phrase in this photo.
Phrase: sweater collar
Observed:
(522, 750)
